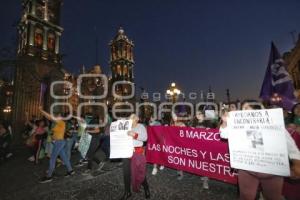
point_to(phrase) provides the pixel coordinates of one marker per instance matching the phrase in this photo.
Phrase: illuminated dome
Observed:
(121, 30)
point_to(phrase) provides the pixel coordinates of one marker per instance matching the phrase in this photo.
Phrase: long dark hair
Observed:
(37, 123)
(254, 104)
(293, 111)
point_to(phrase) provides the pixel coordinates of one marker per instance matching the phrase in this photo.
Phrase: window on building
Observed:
(119, 70)
(23, 36)
(128, 52)
(123, 45)
(38, 37)
(51, 41)
(125, 70)
(119, 51)
(115, 71)
(39, 12)
(51, 15)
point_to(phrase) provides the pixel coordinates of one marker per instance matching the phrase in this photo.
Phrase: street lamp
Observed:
(276, 99)
(7, 109)
(173, 92)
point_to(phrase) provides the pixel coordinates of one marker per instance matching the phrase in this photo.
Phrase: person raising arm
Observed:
(58, 145)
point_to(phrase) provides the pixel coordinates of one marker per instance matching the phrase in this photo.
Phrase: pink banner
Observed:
(195, 150)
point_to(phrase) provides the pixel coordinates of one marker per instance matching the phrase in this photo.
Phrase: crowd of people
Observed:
(56, 139)
(271, 186)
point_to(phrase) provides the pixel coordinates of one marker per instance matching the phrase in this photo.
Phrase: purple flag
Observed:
(277, 81)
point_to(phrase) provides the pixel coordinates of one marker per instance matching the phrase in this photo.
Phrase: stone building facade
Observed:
(292, 59)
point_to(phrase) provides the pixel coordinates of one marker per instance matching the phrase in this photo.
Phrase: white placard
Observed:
(257, 141)
(210, 114)
(121, 145)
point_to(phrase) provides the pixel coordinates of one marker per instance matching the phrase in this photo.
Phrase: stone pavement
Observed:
(19, 180)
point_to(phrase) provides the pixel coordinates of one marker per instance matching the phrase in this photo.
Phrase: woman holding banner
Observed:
(154, 122)
(199, 122)
(177, 122)
(134, 168)
(249, 181)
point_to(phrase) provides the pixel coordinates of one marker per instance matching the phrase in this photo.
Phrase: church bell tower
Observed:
(39, 30)
(38, 56)
(121, 62)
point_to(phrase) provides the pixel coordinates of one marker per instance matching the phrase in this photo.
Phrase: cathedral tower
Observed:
(38, 57)
(121, 62)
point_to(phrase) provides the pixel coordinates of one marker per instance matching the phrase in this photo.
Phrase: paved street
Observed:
(19, 180)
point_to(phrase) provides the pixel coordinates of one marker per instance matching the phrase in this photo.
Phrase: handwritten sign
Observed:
(257, 141)
(84, 143)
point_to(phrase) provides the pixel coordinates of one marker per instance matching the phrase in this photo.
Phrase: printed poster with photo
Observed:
(84, 143)
(121, 145)
(257, 141)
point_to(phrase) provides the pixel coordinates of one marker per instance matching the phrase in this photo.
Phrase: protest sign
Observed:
(195, 150)
(84, 143)
(121, 145)
(257, 141)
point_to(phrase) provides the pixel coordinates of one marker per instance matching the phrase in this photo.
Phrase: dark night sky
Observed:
(196, 43)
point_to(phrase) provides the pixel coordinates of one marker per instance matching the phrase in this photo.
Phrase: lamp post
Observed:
(173, 92)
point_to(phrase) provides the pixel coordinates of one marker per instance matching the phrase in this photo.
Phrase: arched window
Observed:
(125, 70)
(128, 52)
(123, 47)
(113, 52)
(38, 37)
(119, 70)
(119, 50)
